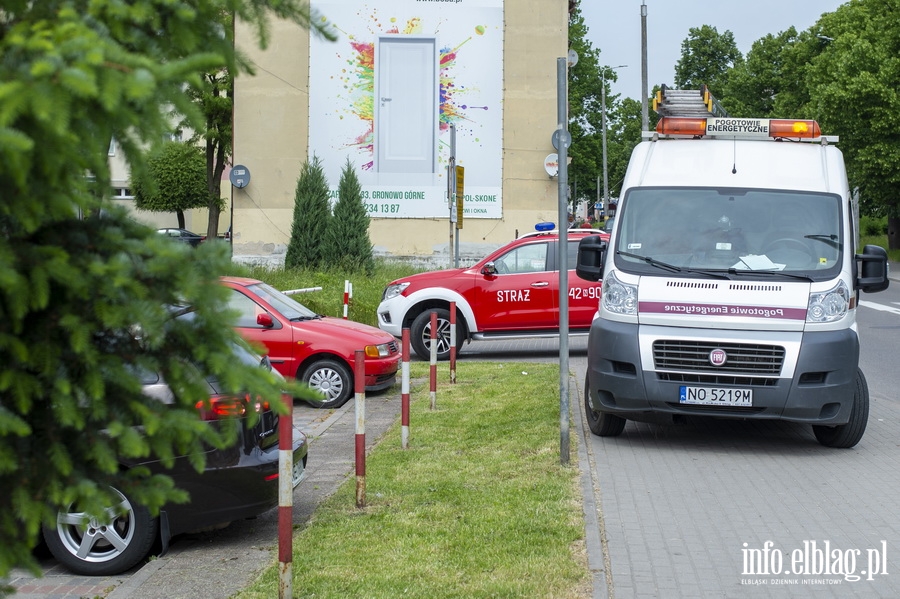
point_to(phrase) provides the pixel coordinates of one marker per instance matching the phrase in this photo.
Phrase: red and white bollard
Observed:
(452, 343)
(348, 293)
(285, 499)
(404, 391)
(433, 368)
(360, 388)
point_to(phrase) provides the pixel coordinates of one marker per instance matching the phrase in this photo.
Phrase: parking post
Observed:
(346, 297)
(360, 388)
(285, 498)
(452, 343)
(433, 368)
(404, 390)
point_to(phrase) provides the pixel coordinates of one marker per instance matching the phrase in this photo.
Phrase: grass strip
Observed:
(478, 506)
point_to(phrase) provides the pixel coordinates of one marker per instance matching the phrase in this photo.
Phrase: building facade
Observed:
(408, 88)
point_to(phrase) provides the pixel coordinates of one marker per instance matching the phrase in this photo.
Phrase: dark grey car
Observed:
(238, 482)
(182, 235)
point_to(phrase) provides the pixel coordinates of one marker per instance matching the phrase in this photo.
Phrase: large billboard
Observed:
(385, 95)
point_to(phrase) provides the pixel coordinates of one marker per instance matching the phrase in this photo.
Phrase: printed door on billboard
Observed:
(406, 105)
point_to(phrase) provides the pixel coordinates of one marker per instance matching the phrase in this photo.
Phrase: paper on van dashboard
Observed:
(754, 262)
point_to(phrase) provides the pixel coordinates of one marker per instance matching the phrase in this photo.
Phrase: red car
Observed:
(512, 292)
(319, 350)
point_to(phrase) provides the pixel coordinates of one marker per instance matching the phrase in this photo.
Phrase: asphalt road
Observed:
(687, 508)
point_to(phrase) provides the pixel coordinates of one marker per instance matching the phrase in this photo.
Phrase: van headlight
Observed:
(829, 306)
(393, 290)
(619, 297)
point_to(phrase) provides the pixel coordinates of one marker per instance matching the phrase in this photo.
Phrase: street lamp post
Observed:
(603, 121)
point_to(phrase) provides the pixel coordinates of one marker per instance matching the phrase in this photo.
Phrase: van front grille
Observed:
(744, 359)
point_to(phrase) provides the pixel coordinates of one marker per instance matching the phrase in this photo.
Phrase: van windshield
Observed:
(738, 231)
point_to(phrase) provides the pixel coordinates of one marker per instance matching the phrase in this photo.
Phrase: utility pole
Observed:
(645, 115)
(451, 191)
(562, 112)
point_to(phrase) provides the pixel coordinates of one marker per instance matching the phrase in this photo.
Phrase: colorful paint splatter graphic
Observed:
(358, 79)
(361, 87)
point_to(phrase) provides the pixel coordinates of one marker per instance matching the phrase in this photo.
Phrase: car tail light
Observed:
(227, 406)
(222, 406)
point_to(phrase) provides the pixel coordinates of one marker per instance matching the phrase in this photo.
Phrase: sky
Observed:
(614, 28)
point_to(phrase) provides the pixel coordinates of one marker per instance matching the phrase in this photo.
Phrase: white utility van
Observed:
(730, 281)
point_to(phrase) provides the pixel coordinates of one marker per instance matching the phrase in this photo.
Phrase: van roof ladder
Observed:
(687, 102)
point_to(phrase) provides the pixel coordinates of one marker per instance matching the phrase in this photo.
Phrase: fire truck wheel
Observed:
(420, 334)
(848, 435)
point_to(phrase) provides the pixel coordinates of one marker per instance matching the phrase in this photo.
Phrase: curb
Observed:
(594, 533)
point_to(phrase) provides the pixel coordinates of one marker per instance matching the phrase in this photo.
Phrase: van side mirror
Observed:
(591, 252)
(265, 320)
(873, 269)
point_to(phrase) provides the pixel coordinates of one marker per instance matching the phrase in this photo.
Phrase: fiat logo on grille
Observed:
(718, 357)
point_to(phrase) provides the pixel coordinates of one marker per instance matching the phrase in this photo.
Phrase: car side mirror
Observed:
(265, 320)
(489, 269)
(873, 269)
(589, 264)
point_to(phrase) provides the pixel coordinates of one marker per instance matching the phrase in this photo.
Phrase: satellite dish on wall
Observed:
(551, 164)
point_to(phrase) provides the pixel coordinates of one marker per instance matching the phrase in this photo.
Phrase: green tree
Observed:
(347, 243)
(755, 83)
(624, 133)
(215, 98)
(773, 79)
(312, 216)
(792, 99)
(585, 110)
(706, 58)
(84, 301)
(854, 95)
(175, 180)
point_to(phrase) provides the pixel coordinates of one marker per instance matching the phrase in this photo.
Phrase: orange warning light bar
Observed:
(670, 125)
(733, 127)
(789, 128)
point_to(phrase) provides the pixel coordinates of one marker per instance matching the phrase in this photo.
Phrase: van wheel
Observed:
(332, 379)
(420, 335)
(91, 547)
(601, 424)
(848, 435)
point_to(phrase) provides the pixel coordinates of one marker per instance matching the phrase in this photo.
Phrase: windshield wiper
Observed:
(773, 273)
(828, 239)
(671, 267)
(651, 261)
(305, 318)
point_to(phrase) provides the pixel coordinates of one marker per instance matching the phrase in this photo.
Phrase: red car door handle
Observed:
(540, 284)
